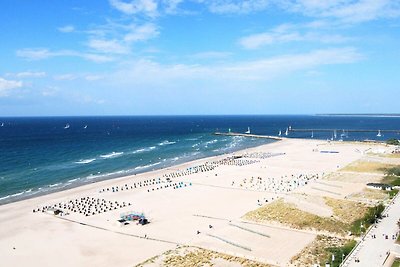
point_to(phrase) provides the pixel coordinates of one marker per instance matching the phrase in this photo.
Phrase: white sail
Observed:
(66, 126)
(379, 134)
(248, 130)
(312, 134)
(280, 133)
(287, 131)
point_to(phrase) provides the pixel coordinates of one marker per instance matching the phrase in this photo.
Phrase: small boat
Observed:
(280, 133)
(334, 134)
(2, 124)
(248, 130)
(312, 134)
(379, 134)
(84, 127)
(66, 126)
(287, 131)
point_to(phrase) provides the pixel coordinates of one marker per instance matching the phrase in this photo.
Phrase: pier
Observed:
(345, 130)
(250, 135)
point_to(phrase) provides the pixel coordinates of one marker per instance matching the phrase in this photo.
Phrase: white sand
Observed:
(41, 239)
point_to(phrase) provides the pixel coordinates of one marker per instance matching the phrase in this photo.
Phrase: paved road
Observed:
(374, 251)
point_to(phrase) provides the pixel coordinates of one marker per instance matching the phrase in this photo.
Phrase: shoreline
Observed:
(126, 176)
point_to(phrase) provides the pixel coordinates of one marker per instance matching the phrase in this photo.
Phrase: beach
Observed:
(200, 204)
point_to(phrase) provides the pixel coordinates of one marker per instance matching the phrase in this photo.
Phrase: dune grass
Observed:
(288, 214)
(194, 256)
(349, 216)
(368, 166)
(321, 251)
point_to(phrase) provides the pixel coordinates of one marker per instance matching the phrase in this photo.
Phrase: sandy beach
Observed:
(200, 207)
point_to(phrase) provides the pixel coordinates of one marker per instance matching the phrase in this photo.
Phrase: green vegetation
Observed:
(361, 225)
(392, 176)
(321, 251)
(340, 252)
(393, 141)
(396, 263)
(394, 171)
(393, 193)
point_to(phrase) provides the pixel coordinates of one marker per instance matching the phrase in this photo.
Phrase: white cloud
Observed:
(236, 6)
(147, 7)
(352, 11)
(28, 74)
(43, 53)
(142, 73)
(7, 85)
(66, 29)
(65, 77)
(211, 55)
(108, 46)
(50, 91)
(171, 6)
(290, 33)
(93, 77)
(141, 33)
(34, 54)
(98, 58)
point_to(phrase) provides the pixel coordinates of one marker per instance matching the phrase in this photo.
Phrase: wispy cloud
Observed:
(7, 85)
(63, 77)
(351, 11)
(28, 74)
(236, 7)
(93, 77)
(286, 33)
(44, 53)
(108, 46)
(143, 71)
(66, 29)
(146, 7)
(211, 55)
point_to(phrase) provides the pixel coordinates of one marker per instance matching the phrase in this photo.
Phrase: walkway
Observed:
(374, 251)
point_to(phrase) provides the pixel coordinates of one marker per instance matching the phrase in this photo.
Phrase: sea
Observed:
(40, 155)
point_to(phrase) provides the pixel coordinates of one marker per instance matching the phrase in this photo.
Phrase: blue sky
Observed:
(148, 57)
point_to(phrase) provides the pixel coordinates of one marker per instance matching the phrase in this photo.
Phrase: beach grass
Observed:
(345, 210)
(368, 166)
(288, 214)
(194, 256)
(371, 194)
(349, 216)
(321, 251)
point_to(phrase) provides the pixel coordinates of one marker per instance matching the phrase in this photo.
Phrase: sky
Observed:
(183, 57)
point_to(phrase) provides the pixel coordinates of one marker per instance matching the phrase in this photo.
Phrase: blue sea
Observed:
(47, 154)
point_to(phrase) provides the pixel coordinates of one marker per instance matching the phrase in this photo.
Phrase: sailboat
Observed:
(280, 133)
(334, 134)
(66, 126)
(229, 130)
(248, 130)
(84, 127)
(379, 134)
(2, 124)
(312, 134)
(287, 131)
